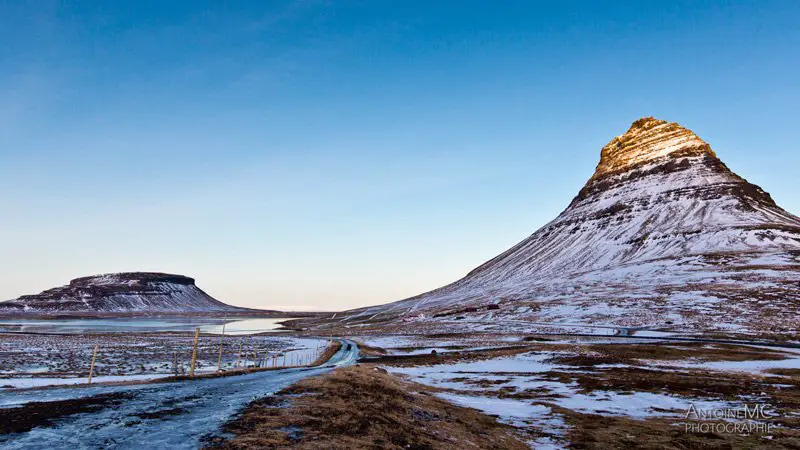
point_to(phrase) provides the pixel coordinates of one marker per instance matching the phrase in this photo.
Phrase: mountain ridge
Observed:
(659, 194)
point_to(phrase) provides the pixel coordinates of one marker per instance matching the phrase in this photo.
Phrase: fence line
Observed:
(280, 359)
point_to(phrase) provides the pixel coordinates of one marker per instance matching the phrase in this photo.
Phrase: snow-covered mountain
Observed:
(662, 233)
(139, 292)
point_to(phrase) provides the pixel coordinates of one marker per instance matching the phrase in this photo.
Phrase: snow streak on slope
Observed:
(661, 210)
(121, 292)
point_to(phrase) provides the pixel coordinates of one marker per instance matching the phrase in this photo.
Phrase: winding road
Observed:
(158, 415)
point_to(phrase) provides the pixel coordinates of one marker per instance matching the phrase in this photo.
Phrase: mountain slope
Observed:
(663, 232)
(120, 293)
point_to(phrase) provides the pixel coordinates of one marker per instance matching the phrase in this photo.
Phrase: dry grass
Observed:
(367, 350)
(786, 372)
(779, 389)
(362, 407)
(688, 383)
(596, 432)
(589, 355)
(452, 357)
(327, 354)
(596, 354)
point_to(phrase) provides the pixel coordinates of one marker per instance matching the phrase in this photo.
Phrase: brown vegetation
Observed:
(368, 350)
(596, 354)
(647, 367)
(690, 383)
(330, 350)
(363, 408)
(448, 357)
(596, 432)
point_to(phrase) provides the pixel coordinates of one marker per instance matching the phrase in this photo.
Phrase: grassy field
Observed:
(590, 394)
(363, 407)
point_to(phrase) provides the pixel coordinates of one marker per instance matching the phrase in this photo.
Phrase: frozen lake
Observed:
(214, 325)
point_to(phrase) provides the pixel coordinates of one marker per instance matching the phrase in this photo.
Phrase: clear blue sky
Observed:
(333, 154)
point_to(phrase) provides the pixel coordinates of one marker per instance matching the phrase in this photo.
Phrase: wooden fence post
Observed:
(194, 351)
(91, 366)
(219, 359)
(252, 346)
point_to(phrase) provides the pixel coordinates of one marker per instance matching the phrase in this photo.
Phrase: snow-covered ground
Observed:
(516, 413)
(45, 360)
(520, 372)
(420, 344)
(25, 383)
(522, 390)
(758, 367)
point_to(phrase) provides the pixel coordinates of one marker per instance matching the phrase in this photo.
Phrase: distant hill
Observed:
(132, 292)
